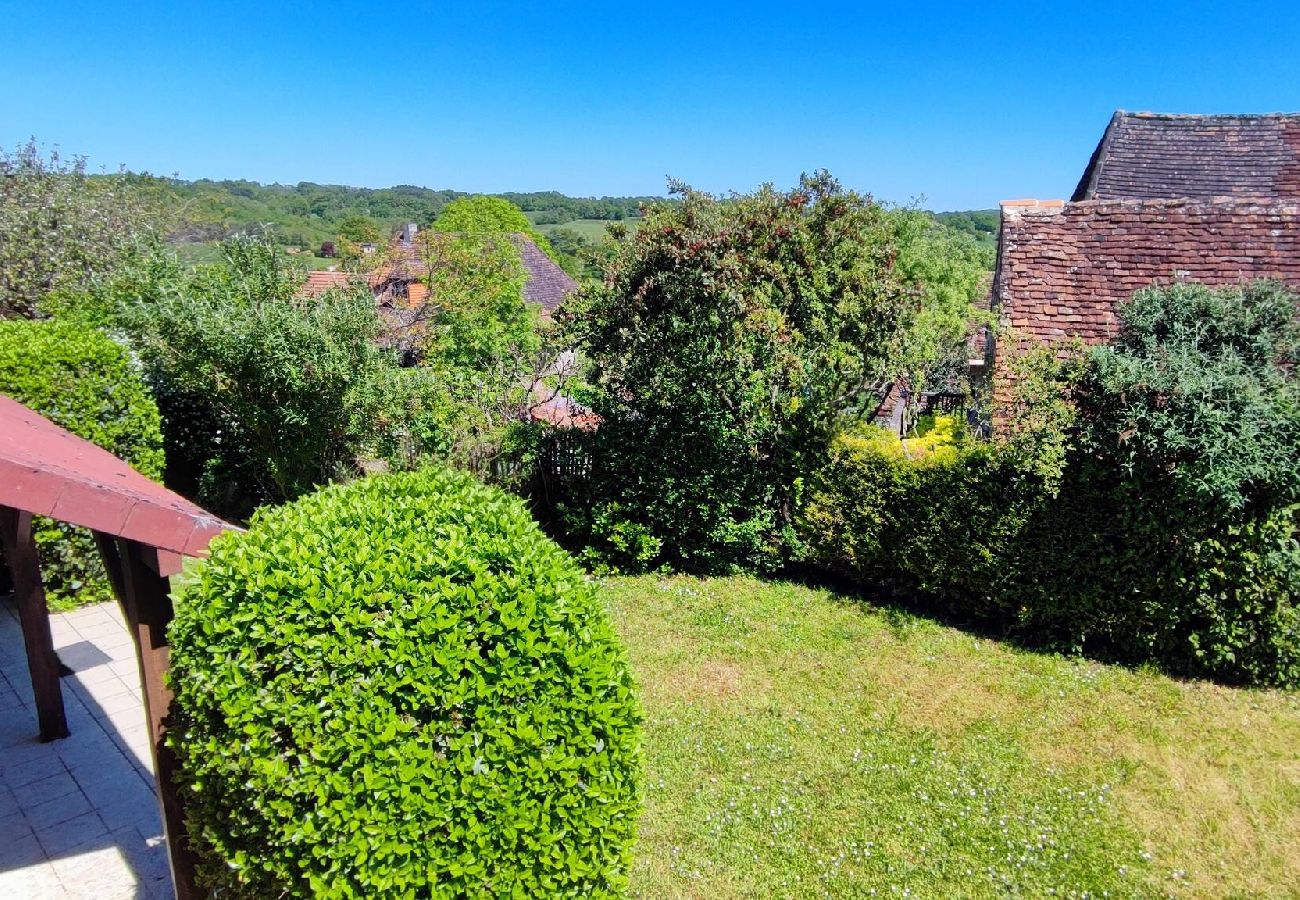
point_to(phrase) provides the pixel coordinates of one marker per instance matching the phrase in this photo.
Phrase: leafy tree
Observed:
(482, 215)
(482, 340)
(60, 228)
(947, 270)
(489, 215)
(267, 392)
(576, 254)
(981, 224)
(360, 229)
(726, 344)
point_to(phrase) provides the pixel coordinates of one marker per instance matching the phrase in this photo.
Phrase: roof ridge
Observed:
(1148, 114)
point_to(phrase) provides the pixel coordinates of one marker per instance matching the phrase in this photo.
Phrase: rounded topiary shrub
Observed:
(82, 381)
(400, 687)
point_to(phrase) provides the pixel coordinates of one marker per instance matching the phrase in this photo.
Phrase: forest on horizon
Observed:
(307, 215)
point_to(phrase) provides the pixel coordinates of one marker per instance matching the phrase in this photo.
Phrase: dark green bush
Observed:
(1188, 451)
(84, 382)
(400, 688)
(723, 345)
(1155, 519)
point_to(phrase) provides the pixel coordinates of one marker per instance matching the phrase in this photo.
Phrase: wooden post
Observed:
(147, 607)
(20, 551)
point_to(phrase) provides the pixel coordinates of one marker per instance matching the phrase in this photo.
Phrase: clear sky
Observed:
(961, 104)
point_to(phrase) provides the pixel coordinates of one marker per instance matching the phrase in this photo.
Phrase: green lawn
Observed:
(591, 229)
(210, 252)
(799, 743)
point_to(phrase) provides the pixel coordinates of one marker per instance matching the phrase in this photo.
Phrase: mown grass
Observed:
(593, 230)
(210, 252)
(799, 743)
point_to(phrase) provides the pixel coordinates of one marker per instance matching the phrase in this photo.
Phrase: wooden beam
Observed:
(24, 566)
(147, 606)
(107, 545)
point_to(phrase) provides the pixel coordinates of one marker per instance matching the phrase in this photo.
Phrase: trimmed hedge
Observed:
(940, 518)
(82, 381)
(1089, 565)
(1145, 507)
(398, 688)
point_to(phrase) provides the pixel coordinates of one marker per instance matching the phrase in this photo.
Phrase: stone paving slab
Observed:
(79, 817)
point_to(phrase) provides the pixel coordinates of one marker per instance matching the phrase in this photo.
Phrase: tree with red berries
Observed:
(727, 342)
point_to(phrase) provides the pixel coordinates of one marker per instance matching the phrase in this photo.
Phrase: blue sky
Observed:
(960, 104)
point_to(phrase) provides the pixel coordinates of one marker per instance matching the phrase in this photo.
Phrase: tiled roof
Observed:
(320, 282)
(1145, 156)
(561, 412)
(50, 472)
(1063, 267)
(546, 284)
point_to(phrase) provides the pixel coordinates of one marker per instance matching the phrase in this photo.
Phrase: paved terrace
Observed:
(79, 816)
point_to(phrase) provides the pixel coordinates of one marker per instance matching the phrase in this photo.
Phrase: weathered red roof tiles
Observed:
(1158, 156)
(50, 472)
(1063, 268)
(320, 282)
(545, 283)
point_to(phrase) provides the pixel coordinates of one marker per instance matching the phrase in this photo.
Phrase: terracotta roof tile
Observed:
(319, 282)
(546, 284)
(1062, 270)
(1157, 156)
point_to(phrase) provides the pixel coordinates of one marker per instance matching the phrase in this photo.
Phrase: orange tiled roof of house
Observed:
(319, 282)
(561, 412)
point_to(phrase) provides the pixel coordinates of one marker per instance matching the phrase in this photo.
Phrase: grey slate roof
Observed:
(1152, 156)
(546, 284)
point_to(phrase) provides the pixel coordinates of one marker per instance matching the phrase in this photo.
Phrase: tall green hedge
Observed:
(401, 688)
(1090, 565)
(1164, 528)
(83, 381)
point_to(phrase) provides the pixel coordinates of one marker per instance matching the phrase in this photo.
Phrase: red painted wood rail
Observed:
(142, 531)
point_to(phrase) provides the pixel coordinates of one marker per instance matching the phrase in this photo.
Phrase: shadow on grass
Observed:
(899, 609)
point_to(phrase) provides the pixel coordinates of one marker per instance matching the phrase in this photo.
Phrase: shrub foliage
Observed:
(60, 228)
(725, 343)
(267, 393)
(1148, 511)
(400, 687)
(84, 382)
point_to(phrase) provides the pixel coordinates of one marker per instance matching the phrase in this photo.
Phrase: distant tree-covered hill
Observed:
(308, 217)
(981, 223)
(308, 214)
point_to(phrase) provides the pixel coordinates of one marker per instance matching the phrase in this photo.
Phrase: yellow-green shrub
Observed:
(925, 514)
(401, 688)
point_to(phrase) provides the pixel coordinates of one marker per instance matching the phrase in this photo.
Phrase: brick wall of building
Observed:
(1064, 267)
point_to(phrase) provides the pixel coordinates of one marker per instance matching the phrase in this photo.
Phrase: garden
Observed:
(755, 644)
